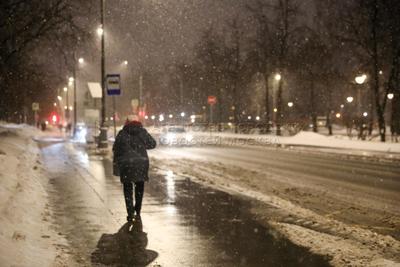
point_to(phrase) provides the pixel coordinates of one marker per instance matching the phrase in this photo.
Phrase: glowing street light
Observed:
(153, 117)
(349, 99)
(71, 79)
(81, 60)
(171, 116)
(361, 79)
(365, 114)
(338, 115)
(278, 77)
(100, 31)
(183, 114)
(59, 98)
(126, 62)
(249, 117)
(71, 107)
(146, 117)
(65, 89)
(257, 118)
(290, 104)
(55, 104)
(390, 96)
(275, 110)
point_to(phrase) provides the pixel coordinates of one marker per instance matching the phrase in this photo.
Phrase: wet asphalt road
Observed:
(370, 180)
(184, 223)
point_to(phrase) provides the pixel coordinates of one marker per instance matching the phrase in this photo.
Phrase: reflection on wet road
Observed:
(184, 223)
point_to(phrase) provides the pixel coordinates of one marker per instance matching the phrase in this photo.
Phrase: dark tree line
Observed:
(317, 61)
(29, 30)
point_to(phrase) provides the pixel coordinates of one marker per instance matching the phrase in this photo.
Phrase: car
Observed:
(175, 136)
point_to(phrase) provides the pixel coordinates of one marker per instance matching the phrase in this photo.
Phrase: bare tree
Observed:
(372, 27)
(285, 27)
(264, 49)
(23, 25)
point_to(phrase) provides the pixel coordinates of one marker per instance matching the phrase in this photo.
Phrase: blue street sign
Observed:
(113, 84)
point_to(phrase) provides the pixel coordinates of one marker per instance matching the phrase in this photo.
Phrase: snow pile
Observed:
(26, 235)
(303, 138)
(318, 140)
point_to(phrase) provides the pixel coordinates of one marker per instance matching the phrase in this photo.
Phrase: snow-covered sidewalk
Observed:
(27, 237)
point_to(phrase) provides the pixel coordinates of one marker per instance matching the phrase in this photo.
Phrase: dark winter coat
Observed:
(130, 152)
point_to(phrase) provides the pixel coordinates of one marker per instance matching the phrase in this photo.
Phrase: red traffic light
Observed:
(54, 118)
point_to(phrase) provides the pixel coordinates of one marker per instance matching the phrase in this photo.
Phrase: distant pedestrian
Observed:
(130, 157)
(43, 125)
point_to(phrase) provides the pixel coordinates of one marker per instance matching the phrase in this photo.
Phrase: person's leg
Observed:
(139, 190)
(128, 193)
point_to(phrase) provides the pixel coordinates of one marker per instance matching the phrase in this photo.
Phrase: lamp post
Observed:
(103, 128)
(75, 104)
(66, 111)
(360, 80)
(278, 78)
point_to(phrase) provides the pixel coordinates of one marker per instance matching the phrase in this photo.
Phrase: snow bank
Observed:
(318, 140)
(26, 234)
(308, 139)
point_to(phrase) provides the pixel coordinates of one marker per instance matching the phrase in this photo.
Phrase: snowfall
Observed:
(28, 237)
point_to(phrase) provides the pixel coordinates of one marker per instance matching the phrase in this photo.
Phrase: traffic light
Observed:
(54, 118)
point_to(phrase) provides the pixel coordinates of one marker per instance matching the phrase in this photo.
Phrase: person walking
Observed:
(130, 157)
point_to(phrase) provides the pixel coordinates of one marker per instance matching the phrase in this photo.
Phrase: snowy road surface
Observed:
(345, 206)
(184, 223)
(341, 185)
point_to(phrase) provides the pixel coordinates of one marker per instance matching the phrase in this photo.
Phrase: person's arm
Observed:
(148, 140)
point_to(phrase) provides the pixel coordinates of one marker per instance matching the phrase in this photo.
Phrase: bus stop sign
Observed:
(113, 84)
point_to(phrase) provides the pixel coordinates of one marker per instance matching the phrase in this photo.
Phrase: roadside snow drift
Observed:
(26, 237)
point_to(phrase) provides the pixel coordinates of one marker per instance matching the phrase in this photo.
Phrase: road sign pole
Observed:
(115, 123)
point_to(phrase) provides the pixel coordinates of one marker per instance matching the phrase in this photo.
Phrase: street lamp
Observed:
(65, 89)
(278, 77)
(390, 96)
(81, 60)
(361, 79)
(100, 31)
(182, 114)
(349, 99)
(171, 116)
(338, 115)
(103, 142)
(290, 104)
(71, 79)
(126, 62)
(365, 114)
(59, 98)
